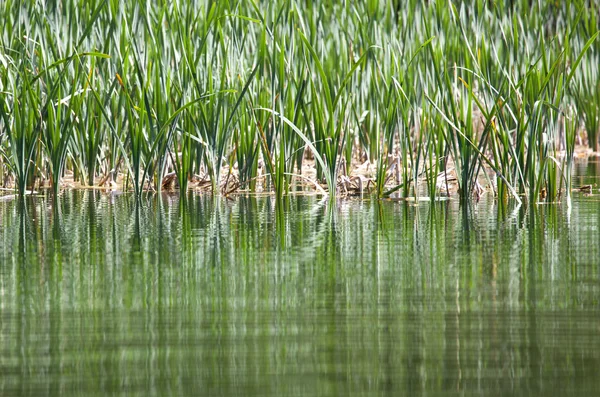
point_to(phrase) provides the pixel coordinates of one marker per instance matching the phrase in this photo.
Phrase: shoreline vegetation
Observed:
(393, 99)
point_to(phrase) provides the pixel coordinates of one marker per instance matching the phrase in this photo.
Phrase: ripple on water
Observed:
(247, 296)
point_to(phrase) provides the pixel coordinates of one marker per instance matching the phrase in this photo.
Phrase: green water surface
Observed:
(249, 297)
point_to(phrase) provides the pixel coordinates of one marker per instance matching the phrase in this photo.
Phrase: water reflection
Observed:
(100, 294)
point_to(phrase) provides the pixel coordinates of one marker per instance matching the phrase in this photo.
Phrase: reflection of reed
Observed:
(297, 296)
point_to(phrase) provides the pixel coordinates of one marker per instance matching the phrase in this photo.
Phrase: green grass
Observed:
(246, 94)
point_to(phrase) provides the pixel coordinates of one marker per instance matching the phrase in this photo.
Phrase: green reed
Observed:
(421, 93)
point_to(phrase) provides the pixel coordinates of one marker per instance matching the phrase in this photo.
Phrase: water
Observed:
(246, 297)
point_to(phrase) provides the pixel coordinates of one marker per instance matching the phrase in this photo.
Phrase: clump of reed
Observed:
(480, 95)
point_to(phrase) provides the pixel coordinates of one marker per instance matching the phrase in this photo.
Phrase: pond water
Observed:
(246, 296)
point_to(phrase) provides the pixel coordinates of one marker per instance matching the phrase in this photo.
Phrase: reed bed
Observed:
(406, 98)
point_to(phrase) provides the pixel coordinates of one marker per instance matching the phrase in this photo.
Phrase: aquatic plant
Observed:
(437, 98)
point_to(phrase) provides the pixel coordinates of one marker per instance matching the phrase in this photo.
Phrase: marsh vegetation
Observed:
(402, 97)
